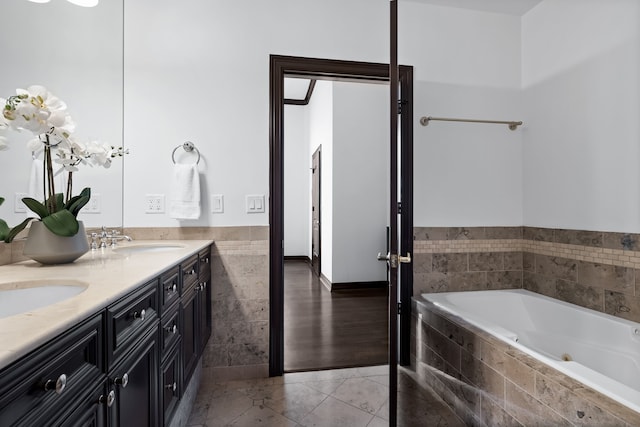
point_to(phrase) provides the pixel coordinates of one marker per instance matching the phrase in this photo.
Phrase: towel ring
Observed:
(188, 147)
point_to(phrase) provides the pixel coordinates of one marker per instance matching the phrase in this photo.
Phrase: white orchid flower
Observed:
(4, 144)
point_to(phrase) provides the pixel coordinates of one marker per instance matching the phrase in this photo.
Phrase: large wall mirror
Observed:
(77, 54)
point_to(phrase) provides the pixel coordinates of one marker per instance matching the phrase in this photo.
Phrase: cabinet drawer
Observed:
(47, 381)
(169, 288)
(189, 272)
(171, 327)
(129, 318)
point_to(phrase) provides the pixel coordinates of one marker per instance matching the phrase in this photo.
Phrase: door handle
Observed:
(405, 259)
(382, 257)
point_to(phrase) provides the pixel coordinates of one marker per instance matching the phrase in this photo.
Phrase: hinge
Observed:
(399, 308)
(399, 207)
(401, 102)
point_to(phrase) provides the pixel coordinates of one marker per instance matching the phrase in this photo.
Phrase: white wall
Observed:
(467, 65)
(581, 64)
(360, 180)
(200, 72)
(296, 181)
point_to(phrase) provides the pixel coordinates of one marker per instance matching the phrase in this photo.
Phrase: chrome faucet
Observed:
(106, 237)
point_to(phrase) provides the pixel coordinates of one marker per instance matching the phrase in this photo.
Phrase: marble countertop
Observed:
(107, 274)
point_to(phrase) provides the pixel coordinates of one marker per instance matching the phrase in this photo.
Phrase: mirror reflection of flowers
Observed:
(37, 110)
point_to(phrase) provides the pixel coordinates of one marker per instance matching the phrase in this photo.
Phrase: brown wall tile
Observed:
(465, 233)
(584, 296)
(622, 305)
(570, 406)
(504, 279)
(449, 263)
(616, 278)
(529, 261)
(430, 233)
(556, 267)
(622, 241)
(540, 284)
(486, 261)
(422, 263)
(503, 232)
(513, 261)
(483, 376)
(579, 237)
(530, 411)
(538, 234)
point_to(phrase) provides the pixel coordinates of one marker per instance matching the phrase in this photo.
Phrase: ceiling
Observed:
(508, 7)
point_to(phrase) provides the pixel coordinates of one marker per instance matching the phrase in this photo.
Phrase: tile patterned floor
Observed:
(334, 398)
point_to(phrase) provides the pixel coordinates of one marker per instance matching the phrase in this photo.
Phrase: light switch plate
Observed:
(217, 203)
(255, 203)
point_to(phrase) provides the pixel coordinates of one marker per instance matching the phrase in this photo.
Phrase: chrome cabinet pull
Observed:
(122, 381)
(57, 385)
(139, 314)
(172, 387)
(172, 288)
(111, 397)
(172, 329)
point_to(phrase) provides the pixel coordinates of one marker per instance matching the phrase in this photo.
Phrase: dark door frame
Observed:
(328, 69)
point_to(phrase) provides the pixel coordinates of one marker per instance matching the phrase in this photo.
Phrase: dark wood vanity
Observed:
(127, 364)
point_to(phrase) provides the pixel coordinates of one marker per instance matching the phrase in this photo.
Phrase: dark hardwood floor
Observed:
(324, 330)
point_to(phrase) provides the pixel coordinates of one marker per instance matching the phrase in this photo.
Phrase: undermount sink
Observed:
(147, 248)
(25, 296)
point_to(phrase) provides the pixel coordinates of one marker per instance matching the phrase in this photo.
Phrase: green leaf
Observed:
(15, 230)
(62, 223)
(4, 230)
(1, 200)
(78, 202)
(36, 207)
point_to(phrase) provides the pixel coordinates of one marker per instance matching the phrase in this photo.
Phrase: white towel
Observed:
(185, 192)
(36, 180)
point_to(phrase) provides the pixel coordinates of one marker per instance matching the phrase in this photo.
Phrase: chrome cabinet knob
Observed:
(139, 314)
(172, 329)
(111, 397)
(57, 385)
(123, 380)
(173, 387)
(172, 288)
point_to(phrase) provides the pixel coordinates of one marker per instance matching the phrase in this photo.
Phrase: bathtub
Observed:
(599, 350)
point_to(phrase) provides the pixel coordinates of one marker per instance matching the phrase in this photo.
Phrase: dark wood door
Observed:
(315, 212)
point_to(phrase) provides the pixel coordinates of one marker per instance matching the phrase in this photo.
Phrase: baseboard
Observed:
(345, 286)
(358, 285)
(302, 258)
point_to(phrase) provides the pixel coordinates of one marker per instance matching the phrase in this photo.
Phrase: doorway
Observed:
(316, 245)
(281, 66)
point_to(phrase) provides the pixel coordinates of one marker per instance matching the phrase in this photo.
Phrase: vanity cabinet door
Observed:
(135, 382)
(51, 381)
(204, 314)
(171, 386)
(190, 330)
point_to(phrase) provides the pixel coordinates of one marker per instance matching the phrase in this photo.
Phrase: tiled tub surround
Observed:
(490, 383)
(596, 270)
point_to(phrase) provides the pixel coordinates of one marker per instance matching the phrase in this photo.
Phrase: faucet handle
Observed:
(94, 241)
